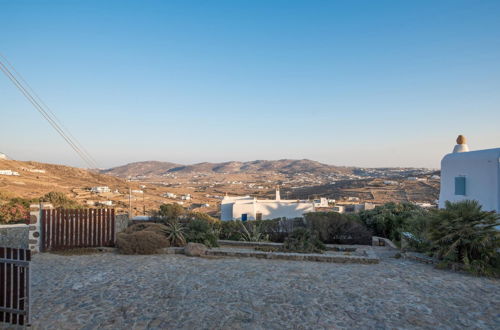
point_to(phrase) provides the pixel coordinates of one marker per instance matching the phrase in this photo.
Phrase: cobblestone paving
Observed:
(174, 291)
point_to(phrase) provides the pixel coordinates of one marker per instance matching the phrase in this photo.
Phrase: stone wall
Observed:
(14, 236)
(121, 222)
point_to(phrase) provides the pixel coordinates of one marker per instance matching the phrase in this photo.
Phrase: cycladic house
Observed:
(473, 175)
(251, 208)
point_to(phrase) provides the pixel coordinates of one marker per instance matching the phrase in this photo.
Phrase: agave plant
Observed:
(175, 234)
(463, 233)
(254, 234)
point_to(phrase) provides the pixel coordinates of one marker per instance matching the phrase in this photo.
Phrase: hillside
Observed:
(283, 166)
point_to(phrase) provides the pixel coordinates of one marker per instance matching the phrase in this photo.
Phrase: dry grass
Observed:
(141, 242)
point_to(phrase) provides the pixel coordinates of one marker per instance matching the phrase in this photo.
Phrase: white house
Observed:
(100, 189)
(9, 172)
(471, 175)
(251, 208)
(3, 156)
(322, 202)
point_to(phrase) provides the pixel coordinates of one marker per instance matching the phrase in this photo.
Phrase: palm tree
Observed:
(462, 232)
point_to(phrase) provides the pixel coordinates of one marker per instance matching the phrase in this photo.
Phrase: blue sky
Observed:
(363, 83)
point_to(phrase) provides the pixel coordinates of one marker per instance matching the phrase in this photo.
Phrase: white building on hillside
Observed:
(251, 208)
(471, 175)
(3, 156)
(9, 172)
(100, 189)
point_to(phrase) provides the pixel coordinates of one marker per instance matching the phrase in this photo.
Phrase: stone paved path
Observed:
(109, 291)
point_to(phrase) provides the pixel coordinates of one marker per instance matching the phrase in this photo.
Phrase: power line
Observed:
(47, 114)
(26, 84)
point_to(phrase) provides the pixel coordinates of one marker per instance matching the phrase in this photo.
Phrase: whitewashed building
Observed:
(250, 208)
(100, 189)
(322, 202)
(3, 156)
(9, 172)
(473, 175)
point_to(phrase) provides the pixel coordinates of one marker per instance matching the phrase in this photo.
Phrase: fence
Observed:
(14, 286)
(64, 229)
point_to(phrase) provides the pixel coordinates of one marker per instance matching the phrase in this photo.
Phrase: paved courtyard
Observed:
(110, 291)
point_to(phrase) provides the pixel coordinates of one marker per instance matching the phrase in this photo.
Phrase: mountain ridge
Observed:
(283, 166)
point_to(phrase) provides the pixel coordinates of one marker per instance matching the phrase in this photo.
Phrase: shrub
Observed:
(141, 242)
(171, 211)
(388, 220)
(336, 228)
(463, 233)
(231, 230)
(13, 212)
(59, 200)
(201, 231)
(303, 241)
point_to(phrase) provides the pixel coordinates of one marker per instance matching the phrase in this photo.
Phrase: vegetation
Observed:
(175, 233)
(201, 231)
(463, 233)
(336, 228)
(252, 232)
(60, 200)
(303, 240)
(13, 212)
(171, 211)
(390, 219)
(147, 238)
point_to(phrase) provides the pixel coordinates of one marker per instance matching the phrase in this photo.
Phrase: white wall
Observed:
(232, 209)
(482, 177)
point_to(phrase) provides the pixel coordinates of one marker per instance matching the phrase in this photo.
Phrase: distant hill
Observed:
(284, 166)
(36, 179)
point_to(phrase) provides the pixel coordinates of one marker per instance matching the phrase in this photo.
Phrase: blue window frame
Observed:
(460, 185)
(244, 217)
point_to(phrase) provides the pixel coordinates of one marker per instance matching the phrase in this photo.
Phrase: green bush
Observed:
(389, 219)
(201, 231)
(463, 233)
(231, 230)
(336, 228)
(302, 240)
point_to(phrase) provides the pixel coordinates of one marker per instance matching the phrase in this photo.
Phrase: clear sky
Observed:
(363, 83)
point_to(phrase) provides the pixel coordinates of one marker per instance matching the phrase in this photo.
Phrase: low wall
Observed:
(14, 236)
(121, 222)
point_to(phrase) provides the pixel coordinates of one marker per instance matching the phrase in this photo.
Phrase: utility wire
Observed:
(52, 120)
(47, 108)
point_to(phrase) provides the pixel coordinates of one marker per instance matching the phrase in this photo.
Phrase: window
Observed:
(460, 185)
(244, 217)
(258, 216)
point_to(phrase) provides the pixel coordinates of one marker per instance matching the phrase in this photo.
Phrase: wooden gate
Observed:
(65, 229)
(14, 286)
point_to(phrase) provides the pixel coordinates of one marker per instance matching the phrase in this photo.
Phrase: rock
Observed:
(195, 250)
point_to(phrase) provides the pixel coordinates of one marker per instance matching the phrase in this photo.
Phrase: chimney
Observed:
(461, 145)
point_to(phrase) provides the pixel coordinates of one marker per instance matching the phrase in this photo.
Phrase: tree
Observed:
(463, 233)
(171, 211)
